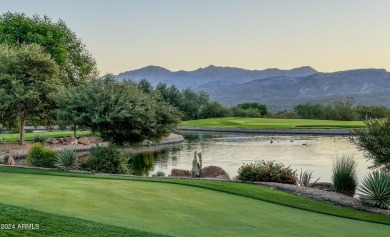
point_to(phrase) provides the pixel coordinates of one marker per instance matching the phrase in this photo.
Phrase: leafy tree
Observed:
(372, 112)
(72, 109)
(28, 78)
(213, 110)
(374, 142)
(145, 86)
(123, 114)
(261, 108)
(56, 38)
(310, 111)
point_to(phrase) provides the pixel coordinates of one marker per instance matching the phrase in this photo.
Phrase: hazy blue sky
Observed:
(122, 35)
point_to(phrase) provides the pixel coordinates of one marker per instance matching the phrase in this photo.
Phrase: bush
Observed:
(41, 157)
(344, 175)
(375, 190)
(39, 138)
(159, 174)
(66, 159)
(1, 159)
(267, 171)
(106, 160)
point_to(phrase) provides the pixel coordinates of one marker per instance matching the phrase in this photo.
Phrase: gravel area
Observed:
(326, 196)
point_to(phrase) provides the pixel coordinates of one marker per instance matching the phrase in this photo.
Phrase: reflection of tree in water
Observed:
(142, 164)
(199, 141)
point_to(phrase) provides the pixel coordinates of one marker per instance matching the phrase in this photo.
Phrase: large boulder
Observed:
(84, 140)
(9, 160)
(214, 172)
(180, 173)
(70, 140)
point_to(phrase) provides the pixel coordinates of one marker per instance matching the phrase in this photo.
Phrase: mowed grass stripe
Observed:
(61, 226)
(233, 122)
(172, 209)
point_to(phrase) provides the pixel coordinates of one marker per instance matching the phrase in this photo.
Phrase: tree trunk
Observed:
(21, 130)
(74, 130)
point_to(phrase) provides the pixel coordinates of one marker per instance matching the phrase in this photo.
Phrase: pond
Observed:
(230, 151)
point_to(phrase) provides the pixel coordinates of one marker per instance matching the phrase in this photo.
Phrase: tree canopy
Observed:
(28, 79)
(374, 142)
(56, 38)
(120, 112)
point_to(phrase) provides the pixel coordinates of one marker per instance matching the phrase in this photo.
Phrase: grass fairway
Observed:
(178, 210)
(272, 123)
(30, 136)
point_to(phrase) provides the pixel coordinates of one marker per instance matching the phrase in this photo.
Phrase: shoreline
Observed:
(21, 151)
(271, 131)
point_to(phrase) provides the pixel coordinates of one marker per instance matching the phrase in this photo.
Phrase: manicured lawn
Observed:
(271, 123)
(56, 225)
(178, 207)
(30, 136)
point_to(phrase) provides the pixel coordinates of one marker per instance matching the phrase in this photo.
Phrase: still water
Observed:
(230, 151)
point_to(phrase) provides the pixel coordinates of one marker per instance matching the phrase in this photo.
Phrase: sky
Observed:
(123, 35)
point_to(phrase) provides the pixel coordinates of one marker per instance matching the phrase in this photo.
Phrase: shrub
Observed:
(106, 160)
(305, 178)
(267, 171)
(39, 138)
(159, 174)
(41, 157)
(344, 175)
(375, 190)
(66, 159)
(1, 159)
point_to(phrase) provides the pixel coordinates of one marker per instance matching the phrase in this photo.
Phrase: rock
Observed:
(84, 140)
(94, 139)
(10, 160)
(70, 140)
(53, 141)
(180, 173)
(322, 186)
(214, 172)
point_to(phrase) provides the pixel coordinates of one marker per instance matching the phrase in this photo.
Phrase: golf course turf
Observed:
(233, 122)
(13, 137)
(178, 207)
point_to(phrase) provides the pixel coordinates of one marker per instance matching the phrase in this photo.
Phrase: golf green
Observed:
(171, 209)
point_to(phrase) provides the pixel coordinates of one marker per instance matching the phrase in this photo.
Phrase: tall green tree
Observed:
(120, 112)
(28, 79)
(374, 142)
(66, 49)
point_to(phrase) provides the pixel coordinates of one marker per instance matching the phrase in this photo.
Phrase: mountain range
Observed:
(278, 89)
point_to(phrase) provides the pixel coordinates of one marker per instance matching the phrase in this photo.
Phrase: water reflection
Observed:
(230, 151)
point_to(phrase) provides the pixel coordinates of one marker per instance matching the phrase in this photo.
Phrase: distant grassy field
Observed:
(272, 123)
(30, 136)
(174, 207)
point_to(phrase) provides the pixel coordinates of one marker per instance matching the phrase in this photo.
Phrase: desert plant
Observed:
(41, 157)
(305, 178)
(344, 174)
(66, 159)
(107, 160)
(197, 165)
(375, 190)
(267, 171)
